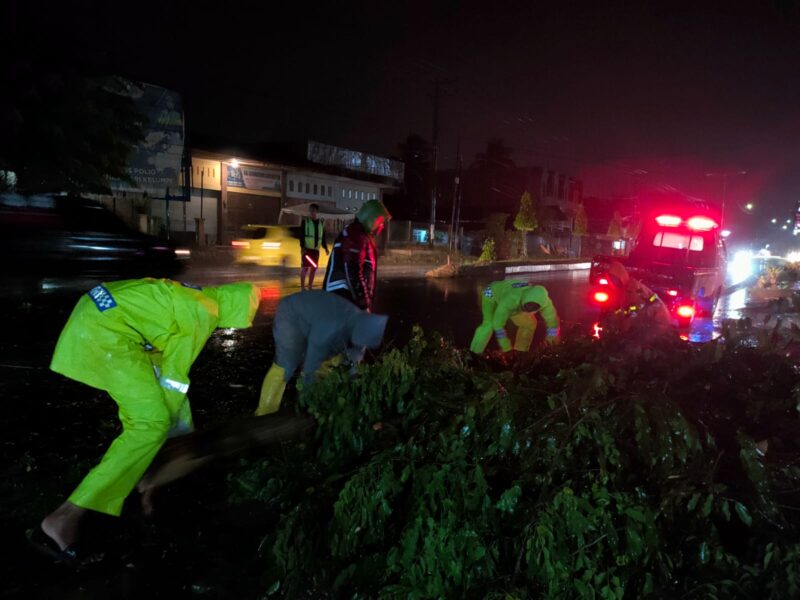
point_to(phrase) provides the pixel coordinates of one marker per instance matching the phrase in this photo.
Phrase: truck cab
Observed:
(681, 256)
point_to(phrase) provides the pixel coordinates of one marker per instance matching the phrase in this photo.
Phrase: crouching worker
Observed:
(520, 302)
(640, 310)
(137, 341)
(310, 328)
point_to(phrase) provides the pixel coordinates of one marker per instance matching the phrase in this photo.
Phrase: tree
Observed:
(581, 221)
(579, 227)
(525, 220)
(615, 226)
(496, 230)
(62, 132)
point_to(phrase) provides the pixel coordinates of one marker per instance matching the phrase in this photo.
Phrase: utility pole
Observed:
(435, 148)
(724, 192)
(456, 193)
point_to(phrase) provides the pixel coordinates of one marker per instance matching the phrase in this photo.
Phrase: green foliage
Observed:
(526, 217)
(607, 469)
(488, 253)
(496, 230)
(615, 226)
(525, 220)
(68, 133)
(581, 224)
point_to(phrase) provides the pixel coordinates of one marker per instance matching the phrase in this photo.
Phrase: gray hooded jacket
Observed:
(311, 327)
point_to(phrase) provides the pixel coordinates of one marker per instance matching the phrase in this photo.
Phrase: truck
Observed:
(680, 254)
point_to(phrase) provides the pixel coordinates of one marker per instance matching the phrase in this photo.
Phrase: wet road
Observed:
(448, 306)
(452, 306)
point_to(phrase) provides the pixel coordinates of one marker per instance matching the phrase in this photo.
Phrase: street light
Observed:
(774, 221)
(784, 227)
(749, 206)
(724, 191)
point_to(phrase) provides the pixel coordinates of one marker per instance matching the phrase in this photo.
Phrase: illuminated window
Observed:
(679, 241)
(349, 193)
(342, 192)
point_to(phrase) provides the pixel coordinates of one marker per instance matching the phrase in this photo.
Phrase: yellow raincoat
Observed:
(137, 340)
(504, 300)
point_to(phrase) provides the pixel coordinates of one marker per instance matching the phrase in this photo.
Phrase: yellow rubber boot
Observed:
(271, 391)
(526, 328)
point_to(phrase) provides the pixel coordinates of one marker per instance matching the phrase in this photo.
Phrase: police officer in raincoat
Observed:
(311, 328)
(519, 301)
(136, 340)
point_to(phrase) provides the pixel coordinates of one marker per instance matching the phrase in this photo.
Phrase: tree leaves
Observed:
(591, 473)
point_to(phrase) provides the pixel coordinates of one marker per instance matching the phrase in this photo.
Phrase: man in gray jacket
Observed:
(310, 328)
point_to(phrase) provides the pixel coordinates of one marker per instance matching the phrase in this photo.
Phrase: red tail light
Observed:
(668, 220)
(602, 281)
(239, 244)
(685, 312)
(701, 224)
(600, 297)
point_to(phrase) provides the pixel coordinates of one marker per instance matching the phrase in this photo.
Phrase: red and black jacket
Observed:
(352, 266)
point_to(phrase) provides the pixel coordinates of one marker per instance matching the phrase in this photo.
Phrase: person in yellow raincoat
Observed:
(137, 340)
(519, 301)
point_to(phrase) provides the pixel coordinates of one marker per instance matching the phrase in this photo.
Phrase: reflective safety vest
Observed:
(313, 233)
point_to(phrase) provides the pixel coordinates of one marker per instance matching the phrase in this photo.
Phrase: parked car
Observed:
(51, 243)
(271, 246)
(680, 255)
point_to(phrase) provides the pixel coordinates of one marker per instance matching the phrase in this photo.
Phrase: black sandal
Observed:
(73, 556)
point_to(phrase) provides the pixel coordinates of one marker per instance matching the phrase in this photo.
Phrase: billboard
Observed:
(254, 178)
(155, 164)
(353, 160)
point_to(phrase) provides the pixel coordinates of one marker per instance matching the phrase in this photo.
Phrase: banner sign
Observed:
(155, 163)
(254, 178)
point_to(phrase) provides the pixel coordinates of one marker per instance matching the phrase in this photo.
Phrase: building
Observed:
(233, 186)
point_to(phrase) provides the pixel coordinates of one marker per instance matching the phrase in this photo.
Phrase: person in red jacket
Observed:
(353, 263)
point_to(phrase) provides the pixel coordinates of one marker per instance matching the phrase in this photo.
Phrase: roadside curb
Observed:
(538, 268)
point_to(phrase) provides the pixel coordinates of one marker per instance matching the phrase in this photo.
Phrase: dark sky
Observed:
(620, 86)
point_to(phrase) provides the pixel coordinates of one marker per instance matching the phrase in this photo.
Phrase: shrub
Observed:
(603, 469)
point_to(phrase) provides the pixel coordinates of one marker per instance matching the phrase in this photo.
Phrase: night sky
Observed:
(601, 93)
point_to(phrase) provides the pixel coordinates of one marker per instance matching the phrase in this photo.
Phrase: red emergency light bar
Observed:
(685, 312)
(669, 220)
(697, 223)
(602, 281)
(701, 224)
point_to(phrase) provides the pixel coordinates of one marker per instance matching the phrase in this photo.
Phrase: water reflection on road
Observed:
(452, 306)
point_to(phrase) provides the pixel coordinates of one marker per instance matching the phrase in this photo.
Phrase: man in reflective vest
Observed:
(519, 301)
(353, 264)
(313, 236)
(136, 340)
